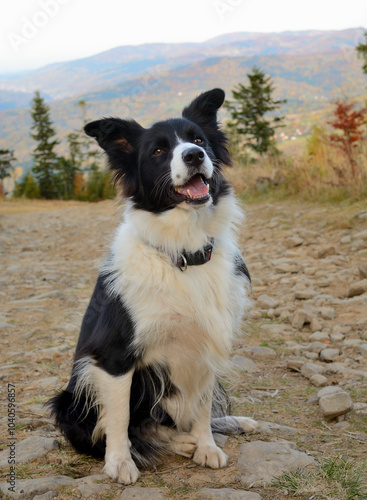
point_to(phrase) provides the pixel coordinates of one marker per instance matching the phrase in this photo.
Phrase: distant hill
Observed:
(154, 81)
(120, 64)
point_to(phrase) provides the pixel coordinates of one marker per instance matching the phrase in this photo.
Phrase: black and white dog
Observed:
(158, 330)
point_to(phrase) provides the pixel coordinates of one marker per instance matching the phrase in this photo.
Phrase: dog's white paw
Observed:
(121, 471)
(183, 444)
(247, 424)
(210, 456)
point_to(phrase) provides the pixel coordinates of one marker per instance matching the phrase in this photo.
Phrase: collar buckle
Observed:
(196, 258)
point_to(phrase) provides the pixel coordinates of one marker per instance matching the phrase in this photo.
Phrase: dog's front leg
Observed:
(115, 413)
(207, 452)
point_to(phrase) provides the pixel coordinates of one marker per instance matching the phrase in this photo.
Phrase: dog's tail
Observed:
(222, 421)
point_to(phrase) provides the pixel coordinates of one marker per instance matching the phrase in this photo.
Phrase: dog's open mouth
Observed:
(196, 190)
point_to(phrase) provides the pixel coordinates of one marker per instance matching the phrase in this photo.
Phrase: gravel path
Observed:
(307, 332)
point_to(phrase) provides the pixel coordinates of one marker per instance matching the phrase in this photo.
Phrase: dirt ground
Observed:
(50, 254)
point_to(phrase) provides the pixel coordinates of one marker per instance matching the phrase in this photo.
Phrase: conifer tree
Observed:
(7, 159)
(251, 104)
(362, 52)
(44, 156)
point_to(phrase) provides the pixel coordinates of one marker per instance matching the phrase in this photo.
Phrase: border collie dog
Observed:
(157, 333)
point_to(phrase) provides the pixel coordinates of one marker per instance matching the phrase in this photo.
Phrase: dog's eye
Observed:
(158, 151)
(198, 140)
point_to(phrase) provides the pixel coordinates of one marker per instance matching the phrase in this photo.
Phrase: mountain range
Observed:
(152, 81)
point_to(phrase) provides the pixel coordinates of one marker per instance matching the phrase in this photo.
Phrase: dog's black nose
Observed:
(193, 157)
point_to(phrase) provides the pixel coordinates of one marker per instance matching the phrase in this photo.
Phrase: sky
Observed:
(34, 33)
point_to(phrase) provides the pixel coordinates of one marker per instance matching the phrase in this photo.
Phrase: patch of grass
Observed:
(38, 400)
(352, 476)
(342, 478)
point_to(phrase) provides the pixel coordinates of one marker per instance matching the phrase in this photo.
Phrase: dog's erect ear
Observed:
(203, 111)
(120, 139)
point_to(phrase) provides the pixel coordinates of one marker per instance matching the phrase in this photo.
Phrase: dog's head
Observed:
(174, 162)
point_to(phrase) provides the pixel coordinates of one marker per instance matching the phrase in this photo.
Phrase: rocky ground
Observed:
(307, 332)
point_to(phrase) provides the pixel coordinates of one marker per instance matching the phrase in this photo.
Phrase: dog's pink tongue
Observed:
(196, 186)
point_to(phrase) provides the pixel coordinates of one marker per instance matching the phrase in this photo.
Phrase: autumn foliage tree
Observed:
(348, 124)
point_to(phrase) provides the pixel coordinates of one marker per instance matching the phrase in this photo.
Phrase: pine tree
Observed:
(44, 156)
(248, 112)
(362, 52)
(27, 187)
(81, 159)
(82, 148)
(7, 159)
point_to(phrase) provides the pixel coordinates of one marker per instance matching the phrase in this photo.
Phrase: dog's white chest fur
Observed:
(184, 321)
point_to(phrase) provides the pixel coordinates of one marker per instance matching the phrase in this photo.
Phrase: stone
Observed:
(337, 337)
(293, 241)
(300, 318)
(260, 351)
(46, 496)
(305, 294)
(334, 405)
(309, 369)
(362, 269)
(335, 367)
(28, 488)
(68, 327)
(271, 427)
(329, 354)
(362, 235)
(245, 364)
(287, 267)
(6, 325)
(315, 347)
(318, 380)
(220, 439)
(267, 302)
(48, 382)
(324, 251)
(312, 355)
(315, 324)
(30, 448)
(140, 493)
(227, 494)
(352, 342)
(360, 408)
(327, 312)
(88, 486)
(330, 389)
(364, 335)
(296, 363)
(93, 490)
(363, 350)
(345, 239)
(259, 462)
(275, 329)
(319, 337)
(357, 288)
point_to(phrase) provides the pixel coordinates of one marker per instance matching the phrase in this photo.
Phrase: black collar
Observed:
(194, 258)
